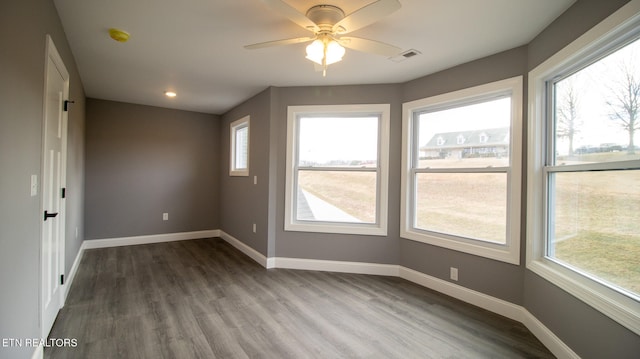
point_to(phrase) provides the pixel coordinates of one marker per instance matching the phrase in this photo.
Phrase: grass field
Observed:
(597, 224)
(597, 214)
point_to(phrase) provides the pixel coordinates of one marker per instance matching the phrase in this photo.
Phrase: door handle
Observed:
(49, 215)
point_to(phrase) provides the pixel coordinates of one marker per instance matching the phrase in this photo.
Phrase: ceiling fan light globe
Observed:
(315, 51)
(334, 52)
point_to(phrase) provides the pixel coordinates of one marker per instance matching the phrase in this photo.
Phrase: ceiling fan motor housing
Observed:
(325, 16)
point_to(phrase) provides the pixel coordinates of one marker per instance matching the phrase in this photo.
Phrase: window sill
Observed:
(239, 173)
(498, 252)
(615, 305)
(336, 228)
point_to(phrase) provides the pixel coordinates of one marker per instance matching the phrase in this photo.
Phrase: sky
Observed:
(493, 113)
(323, 139)
(594, 85)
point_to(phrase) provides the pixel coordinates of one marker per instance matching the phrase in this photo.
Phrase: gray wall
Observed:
(23, 26)
(339, 247)
(143, 161)
(244, 203)
(241, 202)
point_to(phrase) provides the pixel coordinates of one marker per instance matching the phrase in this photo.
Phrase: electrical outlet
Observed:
(454, 273)
(34, 185)
(254, 228)
(165, 216)
(255, 179)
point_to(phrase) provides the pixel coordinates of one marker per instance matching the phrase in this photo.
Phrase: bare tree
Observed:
(623, 103)
(567, 120)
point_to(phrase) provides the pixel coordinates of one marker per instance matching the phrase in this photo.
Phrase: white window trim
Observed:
(509, 252)
(380, 227)
(612, 303)
(235, 125)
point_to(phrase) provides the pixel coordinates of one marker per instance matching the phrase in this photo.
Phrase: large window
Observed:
(239, 161)
(337, 169)
(584, 197)
(462, 170)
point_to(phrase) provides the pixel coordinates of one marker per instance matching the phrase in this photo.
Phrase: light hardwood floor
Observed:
(205, 299)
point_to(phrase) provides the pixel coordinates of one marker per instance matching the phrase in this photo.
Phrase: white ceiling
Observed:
(195, 47)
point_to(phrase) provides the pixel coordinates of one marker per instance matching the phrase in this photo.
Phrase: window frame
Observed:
(602, 39)
(379, 228)
(235, 126)
(508, 252)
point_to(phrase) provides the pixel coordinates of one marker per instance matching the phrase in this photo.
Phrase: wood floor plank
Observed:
(205, 299)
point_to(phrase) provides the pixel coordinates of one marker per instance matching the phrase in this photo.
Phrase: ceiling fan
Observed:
(328, 24)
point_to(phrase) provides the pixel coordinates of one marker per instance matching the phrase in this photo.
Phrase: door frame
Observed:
(51, 53)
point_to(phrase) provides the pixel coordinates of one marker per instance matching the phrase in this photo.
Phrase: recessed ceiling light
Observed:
(170, 94)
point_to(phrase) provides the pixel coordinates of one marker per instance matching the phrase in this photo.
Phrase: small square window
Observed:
(239, 162)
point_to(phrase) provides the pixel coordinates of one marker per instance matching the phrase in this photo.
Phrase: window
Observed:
(584, 168)
(239, 165)
(337, 169)
(465, 195)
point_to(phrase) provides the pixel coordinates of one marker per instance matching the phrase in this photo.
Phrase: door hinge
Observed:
(66, 105)
(64, 193)
(61, 279)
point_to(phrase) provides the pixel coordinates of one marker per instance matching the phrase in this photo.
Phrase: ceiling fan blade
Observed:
(370, 46)
(261, 45)
(366, 16)
(292, 14)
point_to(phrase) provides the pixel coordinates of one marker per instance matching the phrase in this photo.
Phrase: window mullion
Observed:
(463, 170)
(337, 169)
(597, 166)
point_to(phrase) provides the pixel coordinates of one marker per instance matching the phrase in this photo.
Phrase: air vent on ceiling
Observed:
(405, 55)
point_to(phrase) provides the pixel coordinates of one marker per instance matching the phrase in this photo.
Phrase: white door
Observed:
(53, 177)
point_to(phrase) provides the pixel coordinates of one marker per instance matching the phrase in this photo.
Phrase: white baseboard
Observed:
(72, 273)
(247, 250)
(154, 238)
(547, 337)
(493, 304)
(336, 266)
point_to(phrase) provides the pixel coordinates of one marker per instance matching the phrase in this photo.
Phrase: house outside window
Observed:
(337, 169)
(465, 194)
(239, 158)
(583, 232)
